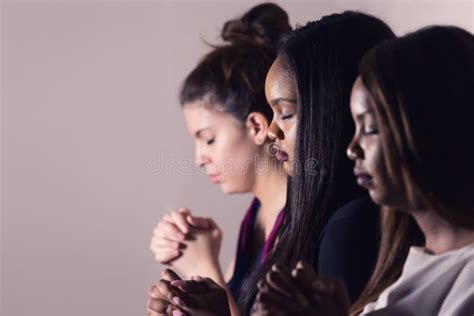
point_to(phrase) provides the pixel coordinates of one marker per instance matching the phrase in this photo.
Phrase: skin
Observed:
(280, 90)
(327, 296)
(227, 150)
(300, 292)
(367, 152)
(222, 147)
(198, 296)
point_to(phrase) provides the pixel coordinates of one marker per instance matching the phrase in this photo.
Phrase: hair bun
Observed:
(262, 25)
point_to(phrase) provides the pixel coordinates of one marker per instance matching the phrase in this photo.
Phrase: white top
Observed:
(430, 285)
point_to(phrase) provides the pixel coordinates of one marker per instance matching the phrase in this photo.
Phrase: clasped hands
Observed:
(280, 293)
(198, 296)
(300, 292)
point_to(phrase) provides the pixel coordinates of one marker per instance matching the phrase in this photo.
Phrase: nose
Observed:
(201, 159)
(354, 151)
(274, 132)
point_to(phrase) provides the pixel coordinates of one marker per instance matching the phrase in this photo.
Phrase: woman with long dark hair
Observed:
(413, 106)
(329, 220)
(226, 114)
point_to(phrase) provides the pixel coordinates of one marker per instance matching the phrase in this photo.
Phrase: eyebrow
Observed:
(198, 133)
(360, 115)
(278, 100)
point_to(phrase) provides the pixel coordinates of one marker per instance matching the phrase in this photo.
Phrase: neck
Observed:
(440, 235)
(270, 189)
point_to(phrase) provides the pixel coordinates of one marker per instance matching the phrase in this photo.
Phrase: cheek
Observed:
(289, 141)
(373, 158)
(239, 174)
(288, 145)
(235, 159)
(384, 190)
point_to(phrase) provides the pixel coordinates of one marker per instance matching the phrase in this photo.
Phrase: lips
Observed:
(214, 178)
(363, 178)
(280, 155)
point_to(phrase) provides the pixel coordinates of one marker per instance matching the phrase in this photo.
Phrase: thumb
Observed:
(212, 223)
(198, 222)
(170, 275)
(304, 274)
(184, 210)
(191, 286)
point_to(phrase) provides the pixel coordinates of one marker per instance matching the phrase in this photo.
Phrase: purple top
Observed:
(243, 263)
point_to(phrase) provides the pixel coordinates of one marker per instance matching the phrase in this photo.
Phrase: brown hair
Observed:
(423, 91)
(232, 76)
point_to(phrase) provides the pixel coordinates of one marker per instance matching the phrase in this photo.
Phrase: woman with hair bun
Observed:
(227, 115)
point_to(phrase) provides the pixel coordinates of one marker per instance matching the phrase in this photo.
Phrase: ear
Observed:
(257, 125)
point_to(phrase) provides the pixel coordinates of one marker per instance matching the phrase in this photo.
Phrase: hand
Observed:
(170, 233)
(161, 295)
(302, 292)
(329, 295)
(201, 297)
(200, 253)
(279, 295)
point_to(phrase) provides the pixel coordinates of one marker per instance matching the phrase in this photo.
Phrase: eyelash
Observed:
(286, 117)
(210, 142)
(370, 131)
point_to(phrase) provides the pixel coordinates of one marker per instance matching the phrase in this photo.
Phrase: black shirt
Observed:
(349, 244)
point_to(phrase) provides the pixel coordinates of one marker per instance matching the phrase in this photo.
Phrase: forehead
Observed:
(201, 114)
(200, 110)
(361, 101)
(280, 81)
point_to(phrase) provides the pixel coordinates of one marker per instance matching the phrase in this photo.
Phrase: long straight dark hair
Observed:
(422, 85)
(323, 57)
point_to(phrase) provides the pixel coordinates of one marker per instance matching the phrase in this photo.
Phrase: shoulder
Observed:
(355, 210)
(357, 219)
(357, 215)
(349, 244)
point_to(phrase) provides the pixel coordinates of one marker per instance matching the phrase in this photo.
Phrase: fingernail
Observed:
(177, 283)
(177, 312)
(178, 301)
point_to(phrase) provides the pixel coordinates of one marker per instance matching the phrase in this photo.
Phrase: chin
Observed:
(376, 198)
(384, 199)
(287, 166)
(227, 188)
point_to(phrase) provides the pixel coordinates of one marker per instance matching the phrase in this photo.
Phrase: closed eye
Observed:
(370, 129)
(369, 125)
(210, 141)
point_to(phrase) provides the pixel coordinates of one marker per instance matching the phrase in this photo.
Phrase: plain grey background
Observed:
(94, 147)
